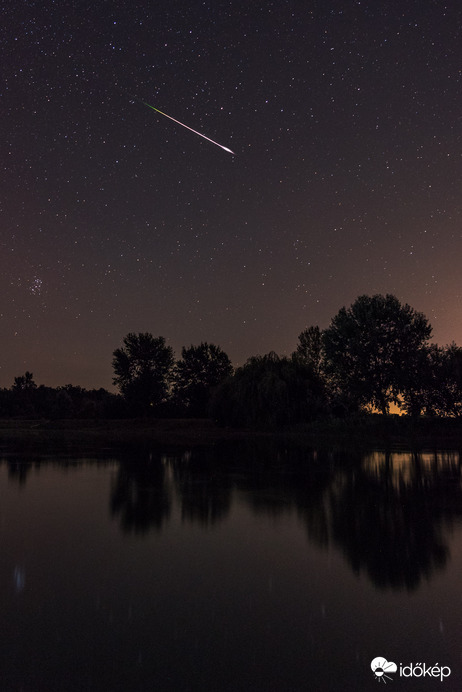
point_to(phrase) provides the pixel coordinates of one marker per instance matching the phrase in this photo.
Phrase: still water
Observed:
(232, 569)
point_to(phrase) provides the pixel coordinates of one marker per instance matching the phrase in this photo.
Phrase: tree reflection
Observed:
(140, 495)
(18, 469)
(203, 486)
(390, 514)
(288, 479)
(389, 519)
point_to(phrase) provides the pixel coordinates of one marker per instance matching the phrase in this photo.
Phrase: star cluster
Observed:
(346, 122)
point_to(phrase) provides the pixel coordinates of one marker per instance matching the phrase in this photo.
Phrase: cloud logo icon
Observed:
(381, 668)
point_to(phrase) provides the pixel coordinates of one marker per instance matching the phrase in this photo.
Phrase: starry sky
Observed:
(345, 118)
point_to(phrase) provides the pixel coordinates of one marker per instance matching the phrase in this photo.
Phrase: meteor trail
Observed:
(189, 128)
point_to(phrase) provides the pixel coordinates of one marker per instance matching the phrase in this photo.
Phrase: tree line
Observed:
(374, 354)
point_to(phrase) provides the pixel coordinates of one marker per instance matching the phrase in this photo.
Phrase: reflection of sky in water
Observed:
(401, 466)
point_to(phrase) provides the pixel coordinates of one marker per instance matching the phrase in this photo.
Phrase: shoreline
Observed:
(359, 432)
(115, 434)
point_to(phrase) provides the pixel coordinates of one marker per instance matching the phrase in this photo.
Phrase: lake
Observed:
(239, 567)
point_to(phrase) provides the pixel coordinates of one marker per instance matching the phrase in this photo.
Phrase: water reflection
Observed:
(19, 578)
(141, 495)
(204, 491)
(389, 514)
(394, 533)
(19, 469)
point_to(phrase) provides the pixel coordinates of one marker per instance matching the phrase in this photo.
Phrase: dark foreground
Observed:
(236, 567)
(363, 432)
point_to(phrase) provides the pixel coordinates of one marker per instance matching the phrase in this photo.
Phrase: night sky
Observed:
(345, 118)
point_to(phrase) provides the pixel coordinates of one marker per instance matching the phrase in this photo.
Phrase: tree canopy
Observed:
(200, 369)
(24, 382)
(269, 391)
(309, 347)
(142, 370)
(435, 388)
(372, 348)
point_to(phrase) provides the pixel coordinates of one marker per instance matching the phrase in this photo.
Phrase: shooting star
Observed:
(189, 128)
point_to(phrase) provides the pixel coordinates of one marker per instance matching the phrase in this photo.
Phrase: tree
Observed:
(452, 390)
(200, 369)
(438, 388)
(267, 392)
(24, 382)
(371, 349)
(23, 396)
(143, 370)
(309, 347)
(421, 381)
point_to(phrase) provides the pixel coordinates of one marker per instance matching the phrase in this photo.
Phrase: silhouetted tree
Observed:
(23, 395)
(143, 370)
(24, 382)
(371, 349)
(438, 389)
(44, 398)
(451, 403)
(200, 369)
(309, 347)
(5, 403)
(419, 380)
(269, 391)
(63, 405)
(25, 399)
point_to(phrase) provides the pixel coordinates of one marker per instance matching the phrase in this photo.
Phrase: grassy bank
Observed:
(364, 432)
(114, 434)
(380, 431)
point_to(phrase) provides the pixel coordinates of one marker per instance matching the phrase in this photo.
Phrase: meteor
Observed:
(189, 128)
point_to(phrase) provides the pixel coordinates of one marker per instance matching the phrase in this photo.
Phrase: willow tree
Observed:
(269, 392)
